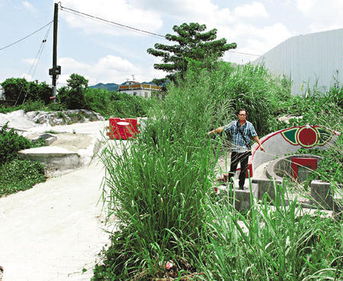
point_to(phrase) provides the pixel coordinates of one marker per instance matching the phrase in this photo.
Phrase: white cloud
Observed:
(119, 11)
(322, 15)
(305, 6)
(106, 69)
(29, 60)
(28, 5)
(251, 10)
(27, 76)
(235, 24)
(253, 40)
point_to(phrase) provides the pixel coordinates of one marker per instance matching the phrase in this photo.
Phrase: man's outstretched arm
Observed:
(216, 131)
(256, 138)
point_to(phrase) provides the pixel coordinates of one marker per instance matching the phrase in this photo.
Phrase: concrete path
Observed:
(54, 231)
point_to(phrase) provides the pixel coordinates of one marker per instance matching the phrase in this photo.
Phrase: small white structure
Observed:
(138, 89)
(2, 94)
(311, 60)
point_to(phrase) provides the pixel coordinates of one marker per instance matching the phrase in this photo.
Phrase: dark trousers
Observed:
(237, 157)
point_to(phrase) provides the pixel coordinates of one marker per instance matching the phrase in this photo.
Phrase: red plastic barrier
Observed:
(122, 128)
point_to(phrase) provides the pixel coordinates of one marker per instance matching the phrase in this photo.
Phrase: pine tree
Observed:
(193, 42)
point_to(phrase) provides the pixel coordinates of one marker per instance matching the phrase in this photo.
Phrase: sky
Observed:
(105, 53)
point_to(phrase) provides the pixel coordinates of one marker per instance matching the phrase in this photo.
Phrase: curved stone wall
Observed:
(282, 166)
(290, 140)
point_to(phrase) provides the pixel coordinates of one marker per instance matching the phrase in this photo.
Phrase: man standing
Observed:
(240, 133)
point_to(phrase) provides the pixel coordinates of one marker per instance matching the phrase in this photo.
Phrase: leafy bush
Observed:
(72, 98)
(316, 109)
(33, 106)
(18, 91)
(15, 90)
(114, 104)
(17, 175)
(11, 143)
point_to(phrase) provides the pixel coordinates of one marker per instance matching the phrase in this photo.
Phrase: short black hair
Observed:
(242, 109)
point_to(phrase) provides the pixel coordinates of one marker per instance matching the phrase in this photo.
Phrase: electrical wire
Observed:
(75, 12)
(111, 22)
(241, 53)
(34, 65)
(27, 36)
(36, 60)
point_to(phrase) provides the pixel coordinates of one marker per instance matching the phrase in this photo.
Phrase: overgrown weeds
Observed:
(159, 187)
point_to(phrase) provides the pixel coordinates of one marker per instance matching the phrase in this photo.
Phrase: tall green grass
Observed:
(271, 242)
(159, 189)
(158, 185)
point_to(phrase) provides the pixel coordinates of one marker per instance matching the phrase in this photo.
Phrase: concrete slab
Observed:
(55, 159)
(80, 141)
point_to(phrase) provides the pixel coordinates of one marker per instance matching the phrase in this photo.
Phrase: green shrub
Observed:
(33, 106)
(18, 175)
(19, 91)
(11, 143)
(114, 104)
(56, 107)
(72, 98)
(15, 90)
(316, 109)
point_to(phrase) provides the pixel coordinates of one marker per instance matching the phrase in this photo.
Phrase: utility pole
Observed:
(56, 69)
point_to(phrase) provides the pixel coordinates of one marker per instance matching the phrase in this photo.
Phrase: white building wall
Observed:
(2, 93)
(142, 93)
(308, 60)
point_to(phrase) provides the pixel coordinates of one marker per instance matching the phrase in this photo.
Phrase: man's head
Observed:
(242, 114)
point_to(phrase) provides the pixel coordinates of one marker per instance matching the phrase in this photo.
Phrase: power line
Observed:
(36, 60)
(130, 27)
(111, 22)
(241, 53)
(27, 36)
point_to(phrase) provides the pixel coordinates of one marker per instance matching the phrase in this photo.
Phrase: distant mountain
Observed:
(114, 86)
(107, 86)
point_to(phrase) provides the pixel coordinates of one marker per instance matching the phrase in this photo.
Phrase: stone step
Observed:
(54, 158)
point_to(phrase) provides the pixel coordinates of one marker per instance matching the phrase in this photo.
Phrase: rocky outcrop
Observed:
(22, 121)
(64, 117)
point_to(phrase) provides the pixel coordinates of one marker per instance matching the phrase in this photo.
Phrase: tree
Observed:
(77, 81)
(18, 90)
(192, 43)
(73, 95)
(39, 92)
(15, 90)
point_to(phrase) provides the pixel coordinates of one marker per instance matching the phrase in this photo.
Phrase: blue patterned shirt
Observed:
(236, 138)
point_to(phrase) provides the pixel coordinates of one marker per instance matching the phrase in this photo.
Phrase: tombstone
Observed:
(267, 186)
(242, 199)
(321, 195)
(290, 140)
